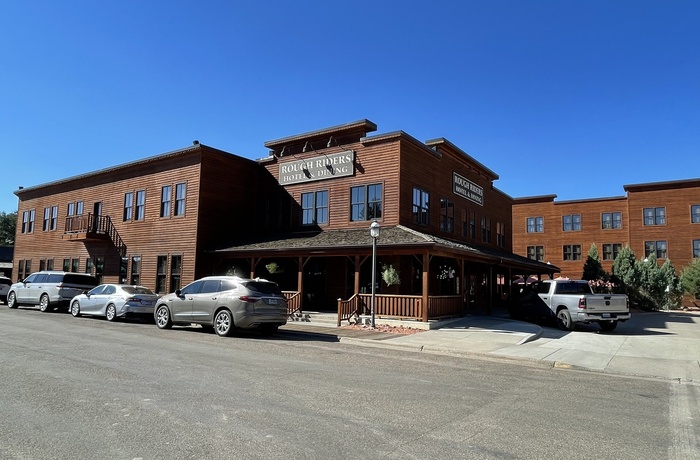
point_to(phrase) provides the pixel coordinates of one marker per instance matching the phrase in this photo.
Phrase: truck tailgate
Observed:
(607, 303)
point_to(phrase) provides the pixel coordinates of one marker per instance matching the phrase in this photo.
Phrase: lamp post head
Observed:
(374, 229)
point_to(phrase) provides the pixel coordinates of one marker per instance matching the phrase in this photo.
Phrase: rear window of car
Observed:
(5, 281)
(573, 288)
(87, 280)
(137, 290)
(263, 287)
(54, 278)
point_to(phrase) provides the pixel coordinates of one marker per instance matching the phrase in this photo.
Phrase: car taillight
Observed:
(582, 303)
(247, 298)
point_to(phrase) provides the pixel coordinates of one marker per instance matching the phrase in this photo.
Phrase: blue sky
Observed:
(573, 98)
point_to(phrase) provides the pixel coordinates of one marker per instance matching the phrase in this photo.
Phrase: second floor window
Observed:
(447, 215)
(28, 221)
(165, 199)
(571, 223)
(535, 224)
(611, 250)
(180, 193)
(486, 229)
(611, 220)
(572, 252)
(128, 205)
(658, 248)
(472, 224)
(421, 206)
(535, 253)
(654, 216)
(47, 218)
(501, 234)
(695, 214)
(366, 202)
(140, 205)
(314, 208)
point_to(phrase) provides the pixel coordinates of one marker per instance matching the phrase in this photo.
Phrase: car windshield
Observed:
(137, 290)
(263, 287)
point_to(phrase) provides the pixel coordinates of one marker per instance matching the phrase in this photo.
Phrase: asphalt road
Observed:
(83, 388)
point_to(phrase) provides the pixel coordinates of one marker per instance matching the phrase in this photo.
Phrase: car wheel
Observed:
(223, 323)
(564, 320)
(75, 309)
(163, 320)
(608, 326)
(44, 304)
(111, 312)
(12, 300)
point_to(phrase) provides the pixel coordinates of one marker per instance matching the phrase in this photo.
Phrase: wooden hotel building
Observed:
(300, 217)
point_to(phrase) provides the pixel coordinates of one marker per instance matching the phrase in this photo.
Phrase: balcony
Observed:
(92, 227)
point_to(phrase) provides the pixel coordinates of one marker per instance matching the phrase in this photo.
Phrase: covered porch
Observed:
(419, 276)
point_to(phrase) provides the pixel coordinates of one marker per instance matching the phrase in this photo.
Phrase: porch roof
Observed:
(396, 239)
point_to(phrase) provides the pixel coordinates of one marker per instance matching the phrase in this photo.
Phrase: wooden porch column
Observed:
(462, 281)
(492, 287)
(356, 288)
(300, 282)
(425, 300)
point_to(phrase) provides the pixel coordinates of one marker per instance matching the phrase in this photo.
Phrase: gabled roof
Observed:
(333, 242)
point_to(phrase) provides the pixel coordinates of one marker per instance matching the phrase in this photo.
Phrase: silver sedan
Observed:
(115, 301)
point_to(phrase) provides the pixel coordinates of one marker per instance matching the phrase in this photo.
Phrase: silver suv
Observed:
(225, 303)
(49, 289)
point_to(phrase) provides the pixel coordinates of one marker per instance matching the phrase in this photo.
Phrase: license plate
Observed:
(606, 315)
(273, 302)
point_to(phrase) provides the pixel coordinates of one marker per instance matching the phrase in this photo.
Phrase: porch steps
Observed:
(315, 318)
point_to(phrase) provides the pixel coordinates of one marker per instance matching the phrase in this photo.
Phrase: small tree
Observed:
(8, 225)
(626, 272)
(690, 279)
(652, 284)
(592, 268)
(673, 291)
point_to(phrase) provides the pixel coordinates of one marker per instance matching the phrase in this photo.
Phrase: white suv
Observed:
(5, 283)
(49, 289)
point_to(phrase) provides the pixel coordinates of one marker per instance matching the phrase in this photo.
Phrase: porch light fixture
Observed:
(374, 233)
(330, 142)
(307, 146)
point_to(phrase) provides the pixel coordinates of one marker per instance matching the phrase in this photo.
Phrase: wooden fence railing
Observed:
(293, 301)
(385, 306)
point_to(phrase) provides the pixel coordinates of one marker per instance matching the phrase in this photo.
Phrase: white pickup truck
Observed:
(572, 302)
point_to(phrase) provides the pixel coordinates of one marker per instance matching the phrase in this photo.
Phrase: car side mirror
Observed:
(178, 293)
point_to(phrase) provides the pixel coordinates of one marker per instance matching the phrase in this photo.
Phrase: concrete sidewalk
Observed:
(661, 344)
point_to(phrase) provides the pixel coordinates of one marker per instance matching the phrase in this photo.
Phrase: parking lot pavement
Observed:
(659, 344)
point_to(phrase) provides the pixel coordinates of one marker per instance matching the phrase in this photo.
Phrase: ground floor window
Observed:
(696, 248)
(135, 270)
(658, 248)
(572, 252)
(535, 253)
(161, 274)
(175, 272)
(75, 265)
(611, 250)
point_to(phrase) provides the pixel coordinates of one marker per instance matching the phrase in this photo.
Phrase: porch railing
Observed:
(444, 306)
(293, 301)
(385, 306)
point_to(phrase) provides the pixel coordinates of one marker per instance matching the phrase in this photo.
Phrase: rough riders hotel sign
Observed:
(317, 168)
(467, 189)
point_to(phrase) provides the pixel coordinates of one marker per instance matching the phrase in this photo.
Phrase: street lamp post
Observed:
(374, 233)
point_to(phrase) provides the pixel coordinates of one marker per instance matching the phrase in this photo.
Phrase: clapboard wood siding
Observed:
(678, 231)
(221, 190)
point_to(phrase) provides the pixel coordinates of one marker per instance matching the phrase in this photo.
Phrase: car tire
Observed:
(564, 320)
(607, 326)
(111, 312)
(12, 300)
(75, 309)
(223, 323)
(44, 303)
(163, 320)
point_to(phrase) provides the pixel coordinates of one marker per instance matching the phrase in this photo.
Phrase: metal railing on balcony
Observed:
(95, 225)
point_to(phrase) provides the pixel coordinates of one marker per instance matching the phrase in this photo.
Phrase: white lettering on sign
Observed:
(317, 168)
(467, 189)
